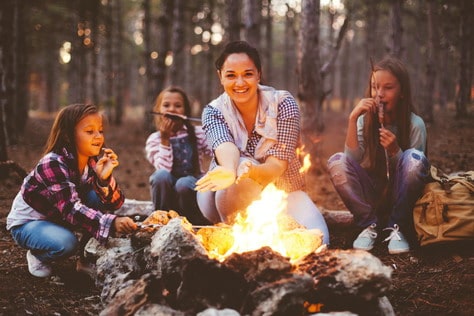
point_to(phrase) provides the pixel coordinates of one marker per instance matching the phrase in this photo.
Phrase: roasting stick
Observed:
(175, 115)
(142, 226)
(381, 113)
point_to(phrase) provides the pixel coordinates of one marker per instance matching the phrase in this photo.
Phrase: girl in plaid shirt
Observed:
(71, 187)
(176, 150)
(253, 131)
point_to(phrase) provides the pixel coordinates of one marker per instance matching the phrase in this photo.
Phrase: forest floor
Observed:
(434, 281)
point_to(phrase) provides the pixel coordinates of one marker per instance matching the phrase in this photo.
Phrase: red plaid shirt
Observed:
(54, 188)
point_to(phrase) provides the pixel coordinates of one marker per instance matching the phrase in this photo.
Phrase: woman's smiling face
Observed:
(239, 78)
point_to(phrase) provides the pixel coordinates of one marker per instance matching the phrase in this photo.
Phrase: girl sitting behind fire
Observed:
(177, 151)
(383, 169)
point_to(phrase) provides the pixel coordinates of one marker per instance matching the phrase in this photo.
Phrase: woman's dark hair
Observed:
(237, 47)
(403, 109)
(187, 123)
(62, 132)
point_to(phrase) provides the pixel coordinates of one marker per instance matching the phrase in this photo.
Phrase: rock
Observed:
(131, 298)
(133, 208)
(171, 248)
(351, 280)
(282, 297)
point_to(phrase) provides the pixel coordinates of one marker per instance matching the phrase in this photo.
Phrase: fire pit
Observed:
(261, 265)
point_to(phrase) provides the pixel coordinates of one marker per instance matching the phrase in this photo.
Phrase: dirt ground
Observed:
(435, 281)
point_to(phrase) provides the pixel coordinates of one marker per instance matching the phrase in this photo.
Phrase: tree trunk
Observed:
(21, 69)
(463, 98)
(288, 49)
(253, 21)
(178, 43)
(268, 64)
(344, 75)
(232, 8)
(396, 47)
(372, 17)
(430, 70)
(119, 69)
(310, 91)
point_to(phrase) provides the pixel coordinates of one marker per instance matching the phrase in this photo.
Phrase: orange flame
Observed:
(306, 163)
(259, 226)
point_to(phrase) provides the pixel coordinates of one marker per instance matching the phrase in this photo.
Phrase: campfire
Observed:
(262, 224)
(264, 264)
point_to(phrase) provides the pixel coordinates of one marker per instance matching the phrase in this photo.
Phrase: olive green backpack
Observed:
(445, 211)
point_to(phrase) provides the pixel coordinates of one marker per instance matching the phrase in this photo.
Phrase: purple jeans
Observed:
(361, 194)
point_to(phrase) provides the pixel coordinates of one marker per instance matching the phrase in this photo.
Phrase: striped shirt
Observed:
(54, 189)
(288, 125)
(161, 157)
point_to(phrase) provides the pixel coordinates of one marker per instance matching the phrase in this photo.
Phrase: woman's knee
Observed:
(207, 205)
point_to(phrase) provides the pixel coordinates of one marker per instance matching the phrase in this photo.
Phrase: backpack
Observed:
(445, 211)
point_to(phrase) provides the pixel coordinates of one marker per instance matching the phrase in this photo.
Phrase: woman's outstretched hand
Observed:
(218, 178)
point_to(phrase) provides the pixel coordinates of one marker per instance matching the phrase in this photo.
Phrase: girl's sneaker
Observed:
(397, 243)
(36, 267)
(366, 239)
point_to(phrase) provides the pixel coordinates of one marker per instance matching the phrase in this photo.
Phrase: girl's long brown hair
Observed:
(187, 123)
(62, 133)
(374, 159)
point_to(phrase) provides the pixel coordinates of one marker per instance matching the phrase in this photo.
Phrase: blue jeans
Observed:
(360, 193)
(223, 205)
(171, 193)
(50, 241)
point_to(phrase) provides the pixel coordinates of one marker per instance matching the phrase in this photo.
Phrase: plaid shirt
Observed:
(288, 122)
(54, 188)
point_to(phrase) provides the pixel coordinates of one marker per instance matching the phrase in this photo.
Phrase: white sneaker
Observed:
(366, 239)
(36, 267)
(396, 241)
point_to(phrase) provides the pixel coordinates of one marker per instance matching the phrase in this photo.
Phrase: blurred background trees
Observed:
(120, 54)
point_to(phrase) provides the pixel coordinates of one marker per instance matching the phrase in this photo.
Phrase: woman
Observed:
(176, 150)
(383, 169)
(253, 131)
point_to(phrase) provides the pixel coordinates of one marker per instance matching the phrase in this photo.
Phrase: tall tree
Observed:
(178, 43)
(232, 13)
(253, 21)
(310, 90)
(463, 98)
(268, 64)
(119, 69)
(396, 47)
(288, 47)
(431, 61)
(8, 31)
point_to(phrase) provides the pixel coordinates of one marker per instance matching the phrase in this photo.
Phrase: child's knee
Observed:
(337, 169)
